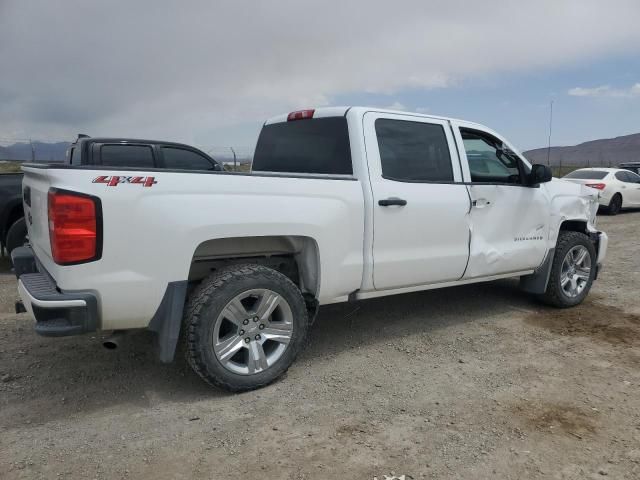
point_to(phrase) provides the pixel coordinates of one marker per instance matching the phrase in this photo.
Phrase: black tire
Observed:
(555, 295)
(17, 235)
(615, 204)
(208, 301)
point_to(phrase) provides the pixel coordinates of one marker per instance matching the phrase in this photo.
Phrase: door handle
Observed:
(480, 203)
(392, 201)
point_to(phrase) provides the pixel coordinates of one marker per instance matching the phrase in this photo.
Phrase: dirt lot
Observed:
(471, 382)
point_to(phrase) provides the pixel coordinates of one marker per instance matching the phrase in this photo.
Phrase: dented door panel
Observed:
(509, 229)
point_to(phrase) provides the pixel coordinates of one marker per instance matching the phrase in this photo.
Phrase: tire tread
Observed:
(193, 317)
(552, 295)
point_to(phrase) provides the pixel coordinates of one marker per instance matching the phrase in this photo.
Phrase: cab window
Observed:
(490, 161)
(126, 155)
(413, 151)
(181, 159)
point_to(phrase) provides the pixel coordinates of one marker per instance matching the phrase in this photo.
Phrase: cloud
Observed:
(395, 106)
(155, 68)
(606, 91)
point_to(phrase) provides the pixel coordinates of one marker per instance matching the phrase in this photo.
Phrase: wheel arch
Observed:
(537, 281)
(577, 225)
(297, 257)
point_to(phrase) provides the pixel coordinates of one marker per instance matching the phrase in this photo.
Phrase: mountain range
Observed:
(605, 152)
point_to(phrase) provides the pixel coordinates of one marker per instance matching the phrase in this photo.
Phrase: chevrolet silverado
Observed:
(342, 204)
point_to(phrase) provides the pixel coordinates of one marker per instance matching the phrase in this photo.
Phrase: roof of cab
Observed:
(342, 111)
(129, 140)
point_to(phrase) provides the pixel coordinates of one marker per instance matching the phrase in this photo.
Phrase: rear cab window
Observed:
(123, 155)
(587, 174)
(307, 146)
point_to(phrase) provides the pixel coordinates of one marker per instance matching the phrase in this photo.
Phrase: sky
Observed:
(209, 73)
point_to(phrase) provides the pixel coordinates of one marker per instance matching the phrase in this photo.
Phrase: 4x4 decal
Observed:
(115, 180)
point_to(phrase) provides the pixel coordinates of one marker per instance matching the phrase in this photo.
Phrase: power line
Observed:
(550, 126)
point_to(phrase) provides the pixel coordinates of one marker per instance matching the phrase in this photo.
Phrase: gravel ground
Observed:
(470, 382)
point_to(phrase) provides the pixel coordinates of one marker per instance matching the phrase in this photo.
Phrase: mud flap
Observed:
(538, 280)
(167, 320)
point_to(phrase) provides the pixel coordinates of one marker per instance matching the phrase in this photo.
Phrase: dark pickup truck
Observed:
(114, 152)
(632, 166)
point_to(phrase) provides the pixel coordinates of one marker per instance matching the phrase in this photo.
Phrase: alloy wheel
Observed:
(253, 331)
(576, 271)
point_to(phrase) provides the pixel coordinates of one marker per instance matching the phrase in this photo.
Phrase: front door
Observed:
(509, 220)
(420, 205)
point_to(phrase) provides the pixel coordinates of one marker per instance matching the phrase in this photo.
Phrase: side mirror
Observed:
(540, 174)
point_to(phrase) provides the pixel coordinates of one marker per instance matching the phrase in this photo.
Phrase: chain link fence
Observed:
(234, 158)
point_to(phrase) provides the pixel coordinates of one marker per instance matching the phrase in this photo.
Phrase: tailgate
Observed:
(35, 189)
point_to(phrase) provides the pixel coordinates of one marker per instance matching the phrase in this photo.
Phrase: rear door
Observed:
(420, 220)
(509, 220)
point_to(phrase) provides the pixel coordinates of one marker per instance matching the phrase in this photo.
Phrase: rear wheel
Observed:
(244, 327)
(615, 205)
(572, 272)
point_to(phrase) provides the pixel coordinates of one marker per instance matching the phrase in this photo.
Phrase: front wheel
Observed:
(572, 271)
(244, 327)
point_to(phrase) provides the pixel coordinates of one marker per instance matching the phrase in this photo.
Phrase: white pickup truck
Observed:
(342, 204)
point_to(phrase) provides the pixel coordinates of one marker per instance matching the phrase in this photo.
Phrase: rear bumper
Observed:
(604, 198)
(57, 313)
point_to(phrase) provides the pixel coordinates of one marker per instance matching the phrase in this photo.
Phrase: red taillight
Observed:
(599, 186)
(300, 115)
(73, 227)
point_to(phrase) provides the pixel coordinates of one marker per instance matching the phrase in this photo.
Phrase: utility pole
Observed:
(550, 126)
(235, 166)
(33, 151)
